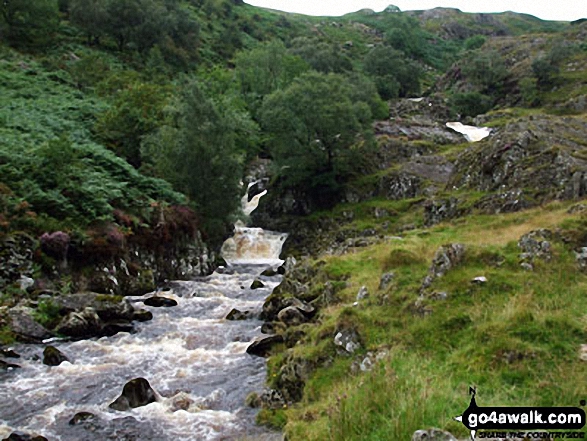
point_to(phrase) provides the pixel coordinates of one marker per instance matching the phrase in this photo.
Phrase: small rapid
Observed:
(193, 358)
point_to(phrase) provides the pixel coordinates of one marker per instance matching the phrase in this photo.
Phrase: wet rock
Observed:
(9, 353)
(262, 347)
(107, 307)
(235, 314)
(181, 401)
(291, 316)
(82, 324)
(21, 436)
(159, 301)
(386, 280)
(363, 293)
(257, 284)
(110, 329)
(136, 393)
(53, 356)
(142, 315)
(275, 303)
(432, 435)
(4, 366)
(347, 339)
(269, 272)
(81, 417)
(25, 327)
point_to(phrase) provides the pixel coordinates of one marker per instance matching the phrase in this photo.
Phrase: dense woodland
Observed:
(113, 105)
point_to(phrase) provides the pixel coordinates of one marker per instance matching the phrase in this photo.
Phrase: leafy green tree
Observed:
(316, 131)
(471, 104)
(28, 22)
(487, 71)
(137, 111)
(198, 152)
(406, 36)
(264, 69)
(474, 42)
(545, 72)
(92, 16)
(393, 73)
(322, 56)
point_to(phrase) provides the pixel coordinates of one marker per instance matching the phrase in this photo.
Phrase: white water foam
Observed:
(189, 353)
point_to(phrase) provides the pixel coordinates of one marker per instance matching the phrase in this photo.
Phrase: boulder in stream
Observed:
(80, 324)
(262, 347)
(53, 356)
(9, 353)
(21, 436)
(136, 393)
(235, 314)
(142, 315)
(159, 301)
(4, 366)
(257, 284)
(81, 417)
(25, 327)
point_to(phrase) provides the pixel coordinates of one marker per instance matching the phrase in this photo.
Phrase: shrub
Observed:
(55, 244)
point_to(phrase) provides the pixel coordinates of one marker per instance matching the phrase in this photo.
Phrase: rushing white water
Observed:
(471, 133)
(193, 358)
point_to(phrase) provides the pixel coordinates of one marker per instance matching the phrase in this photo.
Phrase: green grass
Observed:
(516, 337)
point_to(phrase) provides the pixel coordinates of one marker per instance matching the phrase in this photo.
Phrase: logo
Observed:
(520, 418)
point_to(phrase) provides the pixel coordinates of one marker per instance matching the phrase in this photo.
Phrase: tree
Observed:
(197, 151)
(486, 70)
(316, 131)
(393, 73)
(91, 16)
(264, 69)
(322, 56)
(29, 22)
(137, 111)
(471, 104)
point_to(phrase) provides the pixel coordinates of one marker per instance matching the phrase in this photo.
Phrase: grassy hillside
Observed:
(132, 122)
(516, 337)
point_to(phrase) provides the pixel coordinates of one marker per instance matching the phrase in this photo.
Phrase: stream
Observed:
(193, 358)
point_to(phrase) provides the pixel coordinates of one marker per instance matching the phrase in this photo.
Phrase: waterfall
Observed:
(193, 357)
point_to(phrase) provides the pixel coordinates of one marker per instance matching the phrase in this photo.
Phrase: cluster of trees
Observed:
(308, 105)
(129, 24)
(28, 22)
